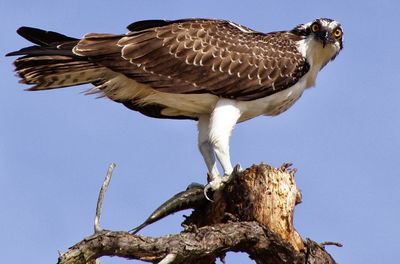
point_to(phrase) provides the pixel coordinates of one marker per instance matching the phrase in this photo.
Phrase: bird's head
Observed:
(322, 37)
(324, 30)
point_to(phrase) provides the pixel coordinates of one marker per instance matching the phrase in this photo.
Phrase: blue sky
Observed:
(342, 135)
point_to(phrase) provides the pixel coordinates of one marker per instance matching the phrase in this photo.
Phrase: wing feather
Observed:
(202, 56)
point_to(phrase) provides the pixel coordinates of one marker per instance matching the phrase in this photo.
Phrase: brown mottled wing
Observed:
(205, 56)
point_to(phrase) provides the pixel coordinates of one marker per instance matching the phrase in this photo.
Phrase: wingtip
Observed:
(42, 37)
(15, 53)
(24, 30)
(11, 54)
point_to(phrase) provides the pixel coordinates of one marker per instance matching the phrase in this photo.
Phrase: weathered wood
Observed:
(261, 193)
(195, 247)
(253, 213)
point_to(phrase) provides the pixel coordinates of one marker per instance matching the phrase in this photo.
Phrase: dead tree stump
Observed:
(253, 213)
(260, 193)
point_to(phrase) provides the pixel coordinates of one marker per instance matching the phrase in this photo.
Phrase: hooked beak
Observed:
(325, 37)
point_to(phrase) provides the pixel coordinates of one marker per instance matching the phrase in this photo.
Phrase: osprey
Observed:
(214, 71)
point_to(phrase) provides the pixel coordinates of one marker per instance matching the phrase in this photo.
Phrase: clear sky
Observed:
(342, 136)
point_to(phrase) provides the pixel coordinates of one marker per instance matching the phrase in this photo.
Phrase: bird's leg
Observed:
(205, 146)
(223, 119)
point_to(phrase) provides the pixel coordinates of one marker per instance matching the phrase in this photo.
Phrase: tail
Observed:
(51, 63)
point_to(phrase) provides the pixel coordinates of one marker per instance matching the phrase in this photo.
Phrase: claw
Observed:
(213, 186)
(237, 169)
(208, 187)
(216, 184)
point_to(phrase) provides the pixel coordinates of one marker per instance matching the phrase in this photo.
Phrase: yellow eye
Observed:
(337, 33)
(314, 27)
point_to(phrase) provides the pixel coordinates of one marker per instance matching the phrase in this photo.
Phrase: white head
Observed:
(323, 39)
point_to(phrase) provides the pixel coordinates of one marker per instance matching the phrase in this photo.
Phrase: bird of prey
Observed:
(214, 71)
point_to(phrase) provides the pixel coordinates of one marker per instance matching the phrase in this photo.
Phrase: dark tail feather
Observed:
(51, 63)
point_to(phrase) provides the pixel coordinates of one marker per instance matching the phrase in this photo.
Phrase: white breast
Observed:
(317, 56)
(273, 104)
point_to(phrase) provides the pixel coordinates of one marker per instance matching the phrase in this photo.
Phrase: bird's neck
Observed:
(316, 55)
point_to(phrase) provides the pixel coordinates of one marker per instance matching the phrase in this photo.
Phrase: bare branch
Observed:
(100, 199)
(187, 247)
(202, 246)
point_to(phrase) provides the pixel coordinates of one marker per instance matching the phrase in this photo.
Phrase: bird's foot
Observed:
(214, 185)
(218, 182)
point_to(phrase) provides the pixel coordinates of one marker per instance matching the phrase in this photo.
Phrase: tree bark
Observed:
(261, 193)
(252, 213)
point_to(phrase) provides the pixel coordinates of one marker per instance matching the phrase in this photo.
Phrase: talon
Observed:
(214, 185)
(208, 187)
(237, 169)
